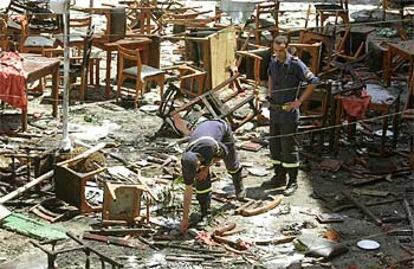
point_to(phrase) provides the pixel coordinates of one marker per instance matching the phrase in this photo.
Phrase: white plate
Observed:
(368, 244)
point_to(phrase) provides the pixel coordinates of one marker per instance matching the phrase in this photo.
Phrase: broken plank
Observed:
(374, 179)
(195, 255)
(225, 228)
(262, 209)
(363, 208)
(25, 187)
(235, 244)
(276, 241)
(232, 232)
(371, 192)
(245, 205)
(122, 231)
(111, 240)
(409, 214)
(183, 259)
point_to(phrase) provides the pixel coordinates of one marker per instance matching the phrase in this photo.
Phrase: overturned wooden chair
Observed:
(331, 9)
(191, 79)
(308, 49)
(218, 103)
(33, 30)
(315, 113)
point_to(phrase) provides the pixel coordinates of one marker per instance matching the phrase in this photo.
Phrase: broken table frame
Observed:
(52, 254)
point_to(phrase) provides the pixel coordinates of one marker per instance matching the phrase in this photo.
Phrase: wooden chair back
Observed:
(85, 22)
(263, 9)
(267, 8)
(127, 56)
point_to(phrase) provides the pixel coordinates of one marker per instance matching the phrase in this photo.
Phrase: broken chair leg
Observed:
(364, 209)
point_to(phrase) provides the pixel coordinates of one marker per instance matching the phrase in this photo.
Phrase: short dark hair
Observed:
(281, 39)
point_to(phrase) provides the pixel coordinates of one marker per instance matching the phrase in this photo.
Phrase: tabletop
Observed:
(127, 42)
(405, 46)
(35, 65)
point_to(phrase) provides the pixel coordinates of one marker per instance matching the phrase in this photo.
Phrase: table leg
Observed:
(97, 79)
(410, 73)
(396, 122)
(338, 115)
(108, 74)
(384, 132)
(91, 64)
(55, 91)
(388, 67)
(24, 119)
(146, 53)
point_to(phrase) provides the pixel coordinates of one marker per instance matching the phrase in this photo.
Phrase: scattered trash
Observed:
(319, 247)
(251, 146)
(329, 218)
(258, 171)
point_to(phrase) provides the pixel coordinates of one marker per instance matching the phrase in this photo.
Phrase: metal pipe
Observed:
(66, 144)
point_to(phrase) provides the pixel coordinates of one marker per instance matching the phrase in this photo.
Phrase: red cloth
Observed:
(355, 106)
(12, 80)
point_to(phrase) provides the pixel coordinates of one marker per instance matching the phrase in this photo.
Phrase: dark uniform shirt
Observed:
(286, 78)
(206, 141)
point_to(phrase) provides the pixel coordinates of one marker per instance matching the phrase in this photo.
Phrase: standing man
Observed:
(210, 142)
(285, 74)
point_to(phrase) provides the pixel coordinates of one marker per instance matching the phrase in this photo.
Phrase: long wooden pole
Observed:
(48, 175)
(24, 188)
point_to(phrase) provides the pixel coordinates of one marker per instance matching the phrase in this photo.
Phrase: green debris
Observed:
(387, 32)
(32, 228)
(92, 118)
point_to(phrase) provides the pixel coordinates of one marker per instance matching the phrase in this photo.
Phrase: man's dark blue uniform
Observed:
(210, 141)
(285, 80)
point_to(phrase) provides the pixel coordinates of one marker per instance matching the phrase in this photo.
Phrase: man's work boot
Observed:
(238, 185)
(292, 184)
(279, 178)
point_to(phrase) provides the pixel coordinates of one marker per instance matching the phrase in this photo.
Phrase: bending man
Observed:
(210, 142)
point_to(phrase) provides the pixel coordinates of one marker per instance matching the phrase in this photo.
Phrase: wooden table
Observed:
(133, 43)
(405, 50)
(36, 68)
